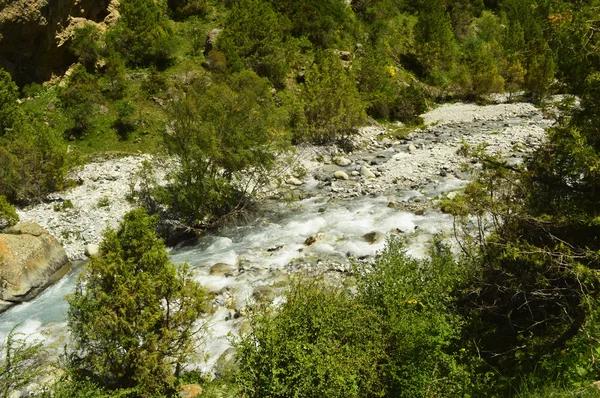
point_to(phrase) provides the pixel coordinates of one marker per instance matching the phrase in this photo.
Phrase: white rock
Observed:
(366, 172)
(342, 161)
(294, 181)
(91, 250)
(412, 148)
(340, 175)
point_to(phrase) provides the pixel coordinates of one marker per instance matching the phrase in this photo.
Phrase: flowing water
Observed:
(270, 248)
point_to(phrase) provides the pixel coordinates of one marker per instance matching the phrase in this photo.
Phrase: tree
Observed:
(86, 45)
(9, 109)
(319, 20)
(143, 35)
(332, 105)
(436, 45)
(254, 38)
(33, 162)
(133, 314)
(224, 137)
(536, 282)
(79, 99)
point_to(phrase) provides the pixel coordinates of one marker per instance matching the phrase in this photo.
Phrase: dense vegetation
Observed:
(516, 314)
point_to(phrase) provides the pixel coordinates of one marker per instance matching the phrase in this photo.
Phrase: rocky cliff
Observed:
(30, 260)
(34, 34)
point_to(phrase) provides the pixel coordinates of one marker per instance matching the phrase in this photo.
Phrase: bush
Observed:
(21, 363)
(79, 99)
(224, 137)
(86, 45)
(419, 324)
(143, 35)
(254, 38)
(133, 314)
(9, 109)
(320, 343)
(332, 105)
(34, 163)
(8, 214)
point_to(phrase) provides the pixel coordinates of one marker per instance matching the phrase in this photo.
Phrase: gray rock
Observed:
(30, 260)
(92, 250)
(412, 148)
(223, 269)
(314, 238)
(340, 175)
(366, 172)
(374, 237)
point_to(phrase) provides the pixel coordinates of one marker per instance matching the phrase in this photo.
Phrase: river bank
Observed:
(332, 208)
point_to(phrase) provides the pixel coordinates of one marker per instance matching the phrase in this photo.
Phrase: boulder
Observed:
(340, 175)
(190, 391)
(91, 250)
(366, 172)
(314, 238)
(342, 161)
(211, 39)
(374, 237)
(30, 260)
(294, 181)
(223, 269)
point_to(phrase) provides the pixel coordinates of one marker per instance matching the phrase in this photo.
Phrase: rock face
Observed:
(34, 34)
(30, 260)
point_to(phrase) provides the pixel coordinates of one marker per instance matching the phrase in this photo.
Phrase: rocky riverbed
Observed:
(330, 207)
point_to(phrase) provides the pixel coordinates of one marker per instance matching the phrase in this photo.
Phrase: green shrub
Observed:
(143, 35)
(79, 99)
(133, 313)
(125, 122)
(332, 105)
(9, 109)
(217, 133)
(8, 213)
(419, 324)
(34, 163)
(64, 205)
(254, 38)
(320, 343)
(86, 45)
(21, 363)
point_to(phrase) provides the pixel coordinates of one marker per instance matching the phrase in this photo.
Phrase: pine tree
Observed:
(133, 314)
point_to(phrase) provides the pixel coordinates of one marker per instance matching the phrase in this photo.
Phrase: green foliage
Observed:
(143, 35)
(133, 314)
(254, 38)
(21, 363)
(383, 94)
(115, 76)
(436, 45)
(482, 67)
(33, 163)
(332, 105)
(420, 327)
(9, 94)
(186, 8)
(86, 45)
(224, 137)
(8, 213)
(125, 122)
(79, 100)
(320, 343)
(319, 20)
